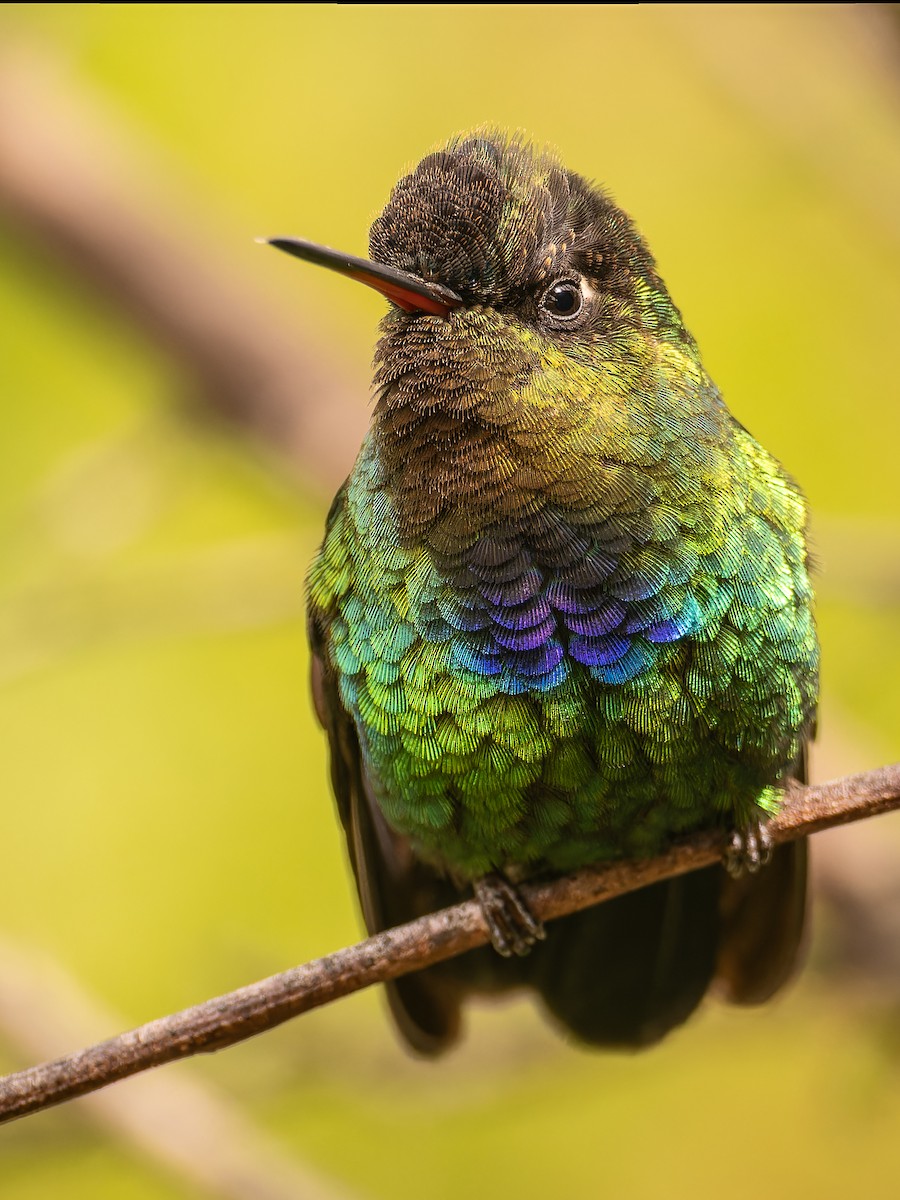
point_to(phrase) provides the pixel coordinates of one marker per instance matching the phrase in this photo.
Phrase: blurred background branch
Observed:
(83, 186)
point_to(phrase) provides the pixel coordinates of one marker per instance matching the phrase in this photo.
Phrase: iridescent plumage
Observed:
(562, 610)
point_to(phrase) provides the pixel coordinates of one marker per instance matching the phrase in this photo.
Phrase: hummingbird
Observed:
(562, 611)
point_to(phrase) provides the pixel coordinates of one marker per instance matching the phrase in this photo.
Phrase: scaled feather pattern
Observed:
(564, 594)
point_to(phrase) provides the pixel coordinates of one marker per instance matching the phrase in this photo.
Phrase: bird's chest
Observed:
(529, 716)
(559, 688)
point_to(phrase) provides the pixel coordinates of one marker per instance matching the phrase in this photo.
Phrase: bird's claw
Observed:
(513, 927)
(748, 849)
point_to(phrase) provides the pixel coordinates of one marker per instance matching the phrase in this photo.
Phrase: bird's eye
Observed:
(563, 299)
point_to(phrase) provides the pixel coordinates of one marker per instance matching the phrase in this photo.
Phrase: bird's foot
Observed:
(513, 927)
(748, 849)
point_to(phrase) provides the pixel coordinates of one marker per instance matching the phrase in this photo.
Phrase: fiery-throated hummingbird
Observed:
(562, 610)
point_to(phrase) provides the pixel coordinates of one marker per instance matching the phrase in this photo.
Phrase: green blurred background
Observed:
(167, 831)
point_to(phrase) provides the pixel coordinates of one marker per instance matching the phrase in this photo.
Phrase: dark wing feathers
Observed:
(764, 921)
(393, 888)
(622, 974)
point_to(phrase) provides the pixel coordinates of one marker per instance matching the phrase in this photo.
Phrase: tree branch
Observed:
(185, 1126)
(250, 1010)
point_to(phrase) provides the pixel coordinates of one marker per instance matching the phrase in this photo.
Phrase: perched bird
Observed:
(562, 610)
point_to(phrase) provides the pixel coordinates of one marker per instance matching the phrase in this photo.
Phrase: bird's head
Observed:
(491, 234)
(504, 226)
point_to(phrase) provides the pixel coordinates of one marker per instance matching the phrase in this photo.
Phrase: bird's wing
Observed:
(764, 921)
(393, 887)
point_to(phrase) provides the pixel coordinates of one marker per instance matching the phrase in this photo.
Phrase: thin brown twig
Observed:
(187, 1126)
(250, 1010)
